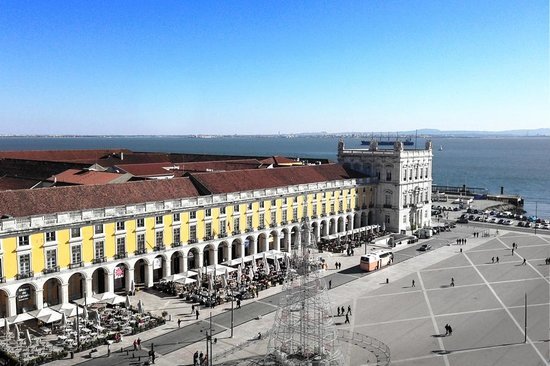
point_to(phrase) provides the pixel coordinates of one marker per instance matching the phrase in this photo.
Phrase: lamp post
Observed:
(77, 326)
(232, 309)
(536, 216)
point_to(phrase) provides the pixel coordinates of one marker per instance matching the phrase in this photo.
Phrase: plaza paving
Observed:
(485, 308)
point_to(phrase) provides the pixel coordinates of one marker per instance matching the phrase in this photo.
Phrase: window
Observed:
(208, 229)
(222, 210)
(98, 229)
(120, 226)
(222, 227)
(99, 250)
(193, 232)
(262, 204)
(159, 238)
(250, 206)
(410, 174)
(388, 175)
(332, 208)
(387, 200)
(75, 232)
(208, 212)
(404, 219)
(140, 222)
(249, 222)
(387, 219)
(177, 217)
(158, 220)
(23, 240)
(295, 213)
(273, 202)
(236, 208)
(76, 254)
(24, 264)
(50, 236)
(273, 220)
(283, 219)
(192, 215)
(262, 219)
(323, 208)
(315, 208)
(236, 225)
(120, 246)
(141, 242)
(51, 259)
(177, 236)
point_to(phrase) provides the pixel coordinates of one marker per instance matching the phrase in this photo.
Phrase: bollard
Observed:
(387, 280)
(121, 350)
(72, 355)
(133, 355)
(460, 250)
(126, 352)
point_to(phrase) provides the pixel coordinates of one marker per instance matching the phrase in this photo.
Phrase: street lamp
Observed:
(77, 326)
(536, 216)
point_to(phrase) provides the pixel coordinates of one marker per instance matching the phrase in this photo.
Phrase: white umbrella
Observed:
(140, 307)
(224, 281)
(199, 279)
(6, 328)
(250, 272)
(266, 264)
(133, 287)
(16, 330)
(127, 302)
(239, 274)
(28, 339)
(210, 286)
(277, 265)
(254, 267)
(85, 313)
(64, 320)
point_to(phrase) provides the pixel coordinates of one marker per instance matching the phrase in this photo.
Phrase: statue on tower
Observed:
(428, 144)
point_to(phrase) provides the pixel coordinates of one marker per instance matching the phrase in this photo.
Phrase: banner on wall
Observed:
(157, 263)
(23, 293)
(119, 272)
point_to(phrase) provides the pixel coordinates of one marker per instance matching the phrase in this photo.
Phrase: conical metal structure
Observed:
(303, 332)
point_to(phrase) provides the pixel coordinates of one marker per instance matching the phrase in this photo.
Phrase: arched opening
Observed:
(273, 240)
(98, 281)
(77, 284)
(357, 220)
(223, 252)
(209, 254)
(176, 262)
(51, 292)
(294, 238)
(119, 277)
(332, 227)
(367, 219)
(262, 243)
(4, 303)
(236, 249)
(324, 228)
(193, 259)
(158, 268)
(284, 240)
(249, 246)
(140, 272)
(25, 298)
(341, 226)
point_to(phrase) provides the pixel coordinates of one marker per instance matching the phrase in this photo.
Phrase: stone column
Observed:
(242, 249)
(201, 259)
(148, 275)
(128, 279)
(182, 263)
(64, 293)
(88, 287)
(109, 282)
(165, 268)
(39, 298)
(12, 305)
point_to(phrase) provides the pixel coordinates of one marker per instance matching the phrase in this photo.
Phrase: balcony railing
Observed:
(236, 232)
(387, 205)
(340, 211)
(222, 235)
(99, 260)
(121, 255)
(140, 251)
(208, 237)
(261, 227)
(51, 270)
(76, 265)
(160, 247)
(192, 241)
(249, 229)
(21, 276)
(175, 245)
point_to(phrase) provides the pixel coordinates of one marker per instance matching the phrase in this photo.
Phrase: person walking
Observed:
(450, 330)
(338, 310)
(196, 358)
(413, 284)
(135, 344)
(452, 282)
(139, 343)
(446, 329)
(524, 261)
(343, 310)
(349, 310)
(197, 314)
(493, 260)
(179, 323)
(238, 303)
(201, 358)
(192, 308)
(498, 259)
(329, 284)
(512, 251)
(347, 319)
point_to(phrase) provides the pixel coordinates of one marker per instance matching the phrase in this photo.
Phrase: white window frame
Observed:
(19, 263)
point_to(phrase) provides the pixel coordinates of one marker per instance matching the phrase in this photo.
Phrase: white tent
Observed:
(28, 339)
(68, 309)
(46, 315)
(239, 274)
(16, 331)
(113, 300)
(174, 277)
(186, 280)
(102, 297)
(6, 328)
(19, 318)
(140, 307)
(219, 269)
(88, 300)
(127, 302)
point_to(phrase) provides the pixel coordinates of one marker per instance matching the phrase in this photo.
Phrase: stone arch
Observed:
(284, 241)
(341, 225)
(370, 218)
(224, 254)
(99, 280)
(159, 267)
(25, 298)
(209, 254)
(332, 226)
(176, 262)
(295, 238)
(357, 223)
(4, 303)
(193, 258)
(52, 291)
(77, 286)
(262, 243)
(236, 249)
(141, 275)
(249, 245)
(273, 240)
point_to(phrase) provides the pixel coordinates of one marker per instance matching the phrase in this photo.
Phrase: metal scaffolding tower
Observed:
(303, 332)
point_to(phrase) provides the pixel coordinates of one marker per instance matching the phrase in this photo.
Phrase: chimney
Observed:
(121, 155)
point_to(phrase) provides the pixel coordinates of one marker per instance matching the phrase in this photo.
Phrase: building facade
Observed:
(68, 243)
(402, 193)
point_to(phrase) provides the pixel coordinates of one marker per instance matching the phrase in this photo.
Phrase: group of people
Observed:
(461, 241)
(200, 359)
(448, 330)
(137, 344)
(342, 312)
(338, 265)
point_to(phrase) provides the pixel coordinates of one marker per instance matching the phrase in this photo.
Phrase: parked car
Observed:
(462, 220)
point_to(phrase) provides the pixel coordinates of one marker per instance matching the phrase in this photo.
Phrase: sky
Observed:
(265, 67)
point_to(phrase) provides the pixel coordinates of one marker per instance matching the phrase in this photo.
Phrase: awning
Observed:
(89, 300)
(19, 318)
(46, 315)
(114, 300)
(185, 281)
(68, 309)
(219, 269)
(177, 276)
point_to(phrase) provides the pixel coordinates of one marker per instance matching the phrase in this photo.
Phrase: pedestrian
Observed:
(338, 310)
(197, 314)
(524, 261)
(205, 362)
(139, 343)
(179, 323)
(512, 251)
(259, 335)
(498, 259)
(196, 358)
(192, 308)
(493, 260)
(349, 310)
(238, 303)
(329, 284)
(135, 344)
(343, 310)
(446, 329)
(347, 319)
(514, 245)
(201, 358)
(336, 265)
(412, 283)
(450, 330)
(452, 282)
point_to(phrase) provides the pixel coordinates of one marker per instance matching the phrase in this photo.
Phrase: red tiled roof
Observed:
(150, 169)
(75, 176)
(246, 180)
(11, 183)
(177, 169)
(221, 165)
(280, 160)
(61, 199)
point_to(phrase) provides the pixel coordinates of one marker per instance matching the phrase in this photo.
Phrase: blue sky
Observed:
(186, 67)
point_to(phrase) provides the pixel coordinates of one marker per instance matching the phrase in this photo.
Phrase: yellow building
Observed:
(65, 243)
